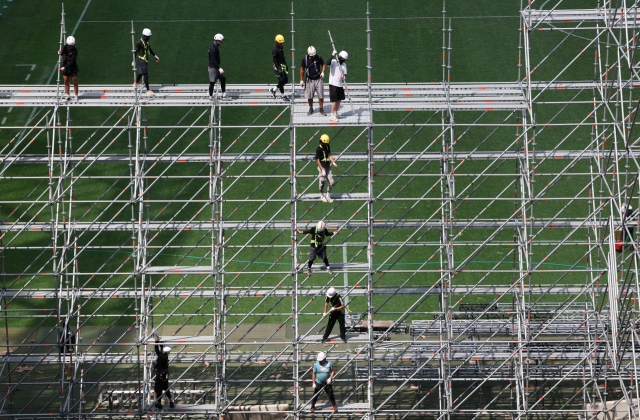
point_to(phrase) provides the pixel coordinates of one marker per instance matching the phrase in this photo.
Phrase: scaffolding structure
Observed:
(184, 226)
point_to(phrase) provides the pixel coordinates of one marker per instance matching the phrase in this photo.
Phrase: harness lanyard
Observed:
(146, 51)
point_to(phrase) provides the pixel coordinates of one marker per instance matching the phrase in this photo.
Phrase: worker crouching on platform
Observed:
(162, 375)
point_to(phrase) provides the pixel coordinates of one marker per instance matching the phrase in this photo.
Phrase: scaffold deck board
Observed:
(335, 196)
(359, 115)
(284, 225)
(196, 293)
(348, 407)
(335, 267)
(609, 16)
(282, 157)
(335, 339)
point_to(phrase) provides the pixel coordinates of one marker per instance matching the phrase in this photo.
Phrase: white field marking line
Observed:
(4, 120)
(9, 110)
(301, 19)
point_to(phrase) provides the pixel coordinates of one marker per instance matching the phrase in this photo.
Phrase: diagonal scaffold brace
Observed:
(344, 80)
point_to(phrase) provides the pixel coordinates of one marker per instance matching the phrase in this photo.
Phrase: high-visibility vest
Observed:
(146, 51)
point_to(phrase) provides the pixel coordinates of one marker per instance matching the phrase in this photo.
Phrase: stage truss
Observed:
(458, 217)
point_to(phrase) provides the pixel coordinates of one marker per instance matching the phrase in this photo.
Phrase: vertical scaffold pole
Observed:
(63, 32)
(370, 233)
(222, 378)
(134, 61)
(294, 244)
(292, 73)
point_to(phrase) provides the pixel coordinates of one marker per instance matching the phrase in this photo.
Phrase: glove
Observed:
(334, 53)
(324, 314)
(336, 232)
(335, 165)
(157, 59)
(329, 381)
(322, 75)
(301, 83)
(59, 52)
(324, 173)
(297, 230)
(220, 70)
(314, 384)
(343, 77)
(133, 63)
(332, 309)
(61, 68)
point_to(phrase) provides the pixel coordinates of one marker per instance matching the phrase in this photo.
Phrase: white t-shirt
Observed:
(335, 77)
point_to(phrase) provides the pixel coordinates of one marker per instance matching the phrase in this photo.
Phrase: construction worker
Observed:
(280, 67)
(335, 313)
(215, 71)
(69, 66)
(318, 248)
(337, 75)
(162, 375)
(311, 75)
(628, 216)
(325, 160)
(143, 50)
(322, 378)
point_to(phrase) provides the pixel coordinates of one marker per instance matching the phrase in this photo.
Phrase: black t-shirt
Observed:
(317, 236)
(278, 57)
(162, 364)
(335, 301)
(69, 57)
(322, 153)
(214, 56)
(313, 66)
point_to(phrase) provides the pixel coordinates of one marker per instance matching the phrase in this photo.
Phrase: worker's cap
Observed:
(321, 356)
(146, 32)
(166, 349)
(320, 225)
(331, 292)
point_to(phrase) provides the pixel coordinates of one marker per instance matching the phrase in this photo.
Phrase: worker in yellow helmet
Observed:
(325, 160)
(280, 67)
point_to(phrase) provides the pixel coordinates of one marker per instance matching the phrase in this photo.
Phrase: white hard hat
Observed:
(146, 32)
(218, 37)
(71, 40)
(166, 349)
(321, 356)
(344, 55)
(320, 225)
(311, 51)
(331, 292)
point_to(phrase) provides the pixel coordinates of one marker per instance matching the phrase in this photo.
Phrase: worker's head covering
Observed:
(331, 292)
(166, 349)
(321, 356)
(320, 225)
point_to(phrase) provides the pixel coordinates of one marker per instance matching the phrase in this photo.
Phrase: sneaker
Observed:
(324, 340)
(310, 112)
(329, 270)
(75, 98)
(171, 404)
(328, 198)
(137, 86)
(312, 409)
(334, 409)
(211, 98)
(309, 272)
(324, 114)
(323, 198)
(333, 118)
(159, 406)
(285, 98)
(273, 92)
(67, 97)
(226, 98)
(344, 339)
(150, 93)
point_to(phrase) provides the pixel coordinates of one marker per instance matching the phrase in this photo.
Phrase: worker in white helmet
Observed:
(311, 78)
(337, 76)
(161, 385)
(322, 378)
(69, 66)
(318, 248)
(215, 71)
(144, 51)
(335, 311)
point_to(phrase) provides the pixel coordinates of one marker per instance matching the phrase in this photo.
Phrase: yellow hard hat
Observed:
(279, 39)
(324, 139)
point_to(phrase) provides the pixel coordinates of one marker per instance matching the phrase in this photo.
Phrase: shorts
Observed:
(314, 86)
(336, 93)
(214, 75)
(143, 67)
(317, 252)
(72, 72)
